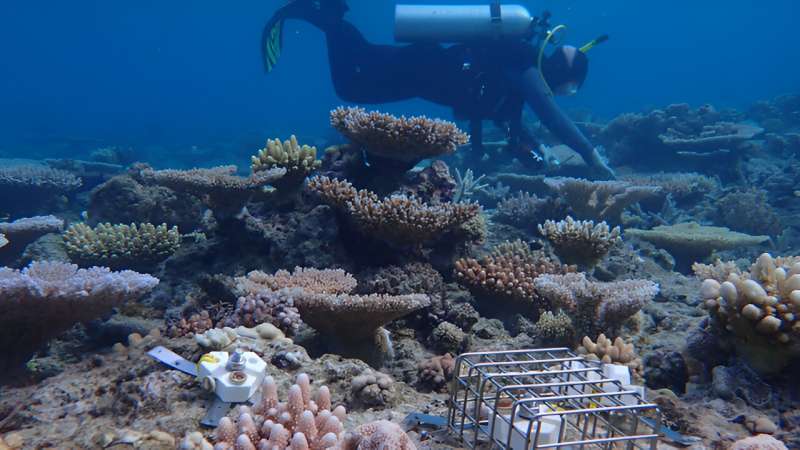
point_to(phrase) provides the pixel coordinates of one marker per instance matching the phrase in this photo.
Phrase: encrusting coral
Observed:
(299, 423)
(580, 242)
(407, 139)
(600, 200)
(506, 275)
(121, 246)
(758, 310)
(397, 219)
(595, 307)
(689, 242)
(46, 298)
(299, 161)
(611, 352)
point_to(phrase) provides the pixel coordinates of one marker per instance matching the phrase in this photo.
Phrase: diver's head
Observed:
(565, 70)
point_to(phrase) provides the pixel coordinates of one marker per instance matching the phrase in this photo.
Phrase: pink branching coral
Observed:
(46, 298)
(403, 138)
(595, 307)
(299, 423)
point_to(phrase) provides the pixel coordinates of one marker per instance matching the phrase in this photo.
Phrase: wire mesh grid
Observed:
(546, 398)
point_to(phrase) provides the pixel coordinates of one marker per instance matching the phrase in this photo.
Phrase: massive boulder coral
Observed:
(26, 187)
(689, 242)
(757, 310)
(379, 435)
(595, 307)
(580, 242)
(399, 219)
(299, 423)
(299, 161)
(600, 200)
(507, 274)
(403, 139)
(135, 246)
(46, 298)
(222, 189)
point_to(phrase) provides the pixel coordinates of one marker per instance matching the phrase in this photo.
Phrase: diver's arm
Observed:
(539, 98)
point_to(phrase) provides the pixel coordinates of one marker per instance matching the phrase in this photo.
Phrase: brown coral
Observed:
(434, 373)
(507, 274)
(580, 242)
(600, 200)
(407, 139)
(611, 352)
(134, 246)
(299, 161)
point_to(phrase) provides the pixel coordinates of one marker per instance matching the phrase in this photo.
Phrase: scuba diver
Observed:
(487, 77)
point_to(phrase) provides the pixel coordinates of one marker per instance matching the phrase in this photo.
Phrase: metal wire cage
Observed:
(547, 398)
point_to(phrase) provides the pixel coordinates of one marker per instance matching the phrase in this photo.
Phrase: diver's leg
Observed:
(477, 149)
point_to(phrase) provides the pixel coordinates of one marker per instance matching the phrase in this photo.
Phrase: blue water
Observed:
(182, 73)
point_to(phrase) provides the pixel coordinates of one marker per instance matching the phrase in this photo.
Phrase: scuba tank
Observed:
(462, 23)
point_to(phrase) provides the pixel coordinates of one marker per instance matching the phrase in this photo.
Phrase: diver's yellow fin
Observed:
(271, 44)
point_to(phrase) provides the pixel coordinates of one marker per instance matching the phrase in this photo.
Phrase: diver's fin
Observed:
(272, 42)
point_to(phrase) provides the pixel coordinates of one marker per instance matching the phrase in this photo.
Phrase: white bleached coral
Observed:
(759, 310)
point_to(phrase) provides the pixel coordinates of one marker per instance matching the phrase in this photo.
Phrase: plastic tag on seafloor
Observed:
(216, 411)
(174, 360)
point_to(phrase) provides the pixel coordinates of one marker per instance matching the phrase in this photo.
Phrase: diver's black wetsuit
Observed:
(487, 81)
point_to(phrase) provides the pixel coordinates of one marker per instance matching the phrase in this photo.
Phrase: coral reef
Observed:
(379, 435)
(595, 307)
(524, 209)
(121, 246)
(404, 139)
(689, 242)
(757, 310)
(600, 200)
(748, 211)
(26, 187)
(21, 232)
(467, 186)
(46, 298)
(506, 275)
(371, 389)
(299, 161)
(684, 188)
(554, 328)
(759, 442)
(580, 242)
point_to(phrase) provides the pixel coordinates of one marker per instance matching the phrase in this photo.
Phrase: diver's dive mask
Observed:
(567, 89)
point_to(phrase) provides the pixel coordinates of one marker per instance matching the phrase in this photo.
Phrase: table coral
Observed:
(758, 310)
(600, 200)
(27, 186)
(46, 298)
(21, 232)
(595, 307)
(690, 242)
(408, 139)
(131, 246)
(580, 242)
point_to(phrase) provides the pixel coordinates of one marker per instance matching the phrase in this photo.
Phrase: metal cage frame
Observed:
(505, 399)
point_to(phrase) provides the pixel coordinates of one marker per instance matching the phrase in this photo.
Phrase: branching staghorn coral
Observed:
(27, 185)
(121, 246)
(299, 161)
(398, 219)
(600, 200)
(758, 310)
(406, 139)
(595, 307)
(219, 186)
(467, 186)
(47, 298)
(580, 242)
(299, 423)
(689, 242)
(265, 298)
(506, 275)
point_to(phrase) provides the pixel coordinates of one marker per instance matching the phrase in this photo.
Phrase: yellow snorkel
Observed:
(591, 44)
